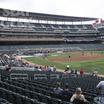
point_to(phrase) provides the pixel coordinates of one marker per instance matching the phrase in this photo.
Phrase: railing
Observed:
(40, 76)
(18, 76)
(54, 76)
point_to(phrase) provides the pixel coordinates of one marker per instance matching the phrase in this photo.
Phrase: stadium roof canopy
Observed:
(41, 16)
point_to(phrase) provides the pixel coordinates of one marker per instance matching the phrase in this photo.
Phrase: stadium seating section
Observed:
(39, 27)
(39, 90)
(10, 30)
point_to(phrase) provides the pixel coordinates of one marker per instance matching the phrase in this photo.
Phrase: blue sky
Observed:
(83, 8)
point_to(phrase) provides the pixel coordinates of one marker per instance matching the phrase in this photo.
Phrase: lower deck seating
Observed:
(18, 93)
(40, 91)
(3, 101)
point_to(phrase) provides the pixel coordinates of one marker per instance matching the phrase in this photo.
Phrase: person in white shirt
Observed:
(100, 88)
(57, 89)
(78, 96)
(100, 93)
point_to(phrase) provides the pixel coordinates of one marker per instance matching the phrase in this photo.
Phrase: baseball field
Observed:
(87, 60)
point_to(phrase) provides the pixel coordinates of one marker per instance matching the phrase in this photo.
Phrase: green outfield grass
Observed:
(88, 66)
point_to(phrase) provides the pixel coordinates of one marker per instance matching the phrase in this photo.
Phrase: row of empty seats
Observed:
(19, 93)
(37, 25)
(38, 91)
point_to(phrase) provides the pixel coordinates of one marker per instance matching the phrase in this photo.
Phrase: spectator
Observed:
(54, 69)
(95, 73)
(65, 91)
(49, 69)
(40, 68)
(78, 97)
(58, 89)
(100, 88)
(76, 72)
(67, 68)
(81, 72)
(100, 93)
(8, 67)
(66, 71)
(71, 71)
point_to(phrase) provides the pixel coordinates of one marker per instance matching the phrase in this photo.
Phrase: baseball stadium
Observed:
(42, 54)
